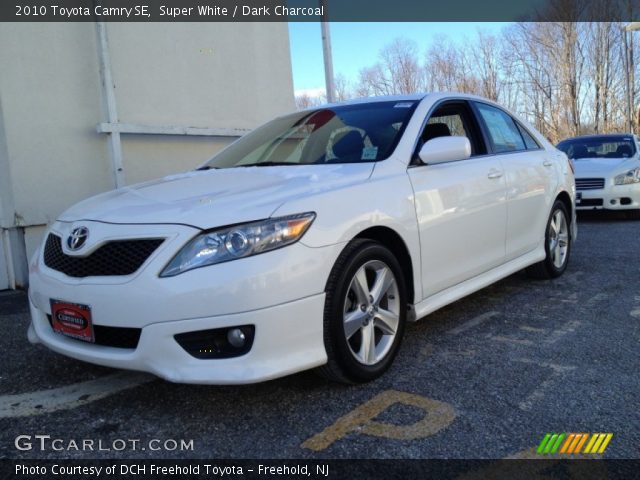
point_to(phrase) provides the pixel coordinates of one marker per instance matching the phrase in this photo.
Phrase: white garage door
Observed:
(4, 278)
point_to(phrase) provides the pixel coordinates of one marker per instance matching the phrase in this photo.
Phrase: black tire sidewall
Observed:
(353, 369)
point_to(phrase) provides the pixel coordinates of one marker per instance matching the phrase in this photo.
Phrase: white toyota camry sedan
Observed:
(607, 170)
(309, 242)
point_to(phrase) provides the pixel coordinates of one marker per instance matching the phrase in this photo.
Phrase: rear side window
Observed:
(503, 133)
(529, 141)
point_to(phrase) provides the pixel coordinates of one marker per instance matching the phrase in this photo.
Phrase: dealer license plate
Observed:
(72, 320)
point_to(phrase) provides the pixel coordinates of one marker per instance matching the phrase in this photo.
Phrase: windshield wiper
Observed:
(267, 164)
(206, 167)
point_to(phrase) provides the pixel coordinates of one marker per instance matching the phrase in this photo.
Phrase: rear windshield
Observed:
(366, 132)
(599, 147)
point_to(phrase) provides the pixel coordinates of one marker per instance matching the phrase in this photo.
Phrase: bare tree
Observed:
(603, 61)
(342, 88)
(305, 100)
(485, 61)
(567, 78)
(447, 68)
(397, 72)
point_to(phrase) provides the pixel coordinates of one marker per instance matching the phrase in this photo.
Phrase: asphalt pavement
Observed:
(486, 377)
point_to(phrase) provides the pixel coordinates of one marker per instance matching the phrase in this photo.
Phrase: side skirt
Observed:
(456, 292)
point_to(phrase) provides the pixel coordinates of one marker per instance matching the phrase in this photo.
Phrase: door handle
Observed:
(547, 163)
(494, 173)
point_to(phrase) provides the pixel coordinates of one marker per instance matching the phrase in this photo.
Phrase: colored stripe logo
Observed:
(572, 443)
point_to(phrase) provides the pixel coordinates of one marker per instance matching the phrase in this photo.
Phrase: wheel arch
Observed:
(396, 244)
(564, 197)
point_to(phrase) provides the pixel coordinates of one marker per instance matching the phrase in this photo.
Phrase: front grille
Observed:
(119, 257)
(118, 337)
(590, 202)
(589, 183)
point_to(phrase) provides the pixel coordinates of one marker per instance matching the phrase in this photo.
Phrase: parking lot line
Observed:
(566, 328)
(70, 396)
(515, 341)
(558, 371)
(475, 321)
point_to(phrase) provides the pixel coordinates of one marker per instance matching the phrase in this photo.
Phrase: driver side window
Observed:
(453, 119)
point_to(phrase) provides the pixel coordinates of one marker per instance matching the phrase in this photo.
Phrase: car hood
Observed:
(603, 167)
(218, 197)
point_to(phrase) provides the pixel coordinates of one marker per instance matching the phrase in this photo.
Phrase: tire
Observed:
(352, 315)
(557, 246)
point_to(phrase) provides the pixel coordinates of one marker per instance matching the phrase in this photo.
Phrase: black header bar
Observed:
(329, 469)
(316, 10)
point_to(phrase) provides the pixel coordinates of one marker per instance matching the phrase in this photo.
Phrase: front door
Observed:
(461, 206)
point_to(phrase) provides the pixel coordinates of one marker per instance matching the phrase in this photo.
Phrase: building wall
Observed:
(208, 75)
(4, 275)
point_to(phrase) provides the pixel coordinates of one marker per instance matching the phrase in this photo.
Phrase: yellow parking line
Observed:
(437, 416)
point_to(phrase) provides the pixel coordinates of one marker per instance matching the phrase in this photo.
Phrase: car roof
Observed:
(400, 98)
(385, 98)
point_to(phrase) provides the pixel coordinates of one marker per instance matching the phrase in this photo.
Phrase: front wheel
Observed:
(557, 245)
(365, 313)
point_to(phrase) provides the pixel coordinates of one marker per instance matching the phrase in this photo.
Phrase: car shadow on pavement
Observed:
(602, 216)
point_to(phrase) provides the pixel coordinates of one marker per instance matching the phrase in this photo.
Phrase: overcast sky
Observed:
(356, 45)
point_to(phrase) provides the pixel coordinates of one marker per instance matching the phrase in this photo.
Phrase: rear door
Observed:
(460, 206)
(531, 177)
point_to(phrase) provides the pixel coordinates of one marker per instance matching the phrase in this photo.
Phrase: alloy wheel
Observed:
(371, 314)
(558, 238)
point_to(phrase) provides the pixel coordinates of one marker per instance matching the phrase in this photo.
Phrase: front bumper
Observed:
(280, 293)
(611, 197)
(288, 339)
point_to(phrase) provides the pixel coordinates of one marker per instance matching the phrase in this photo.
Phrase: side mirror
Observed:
(445, 149)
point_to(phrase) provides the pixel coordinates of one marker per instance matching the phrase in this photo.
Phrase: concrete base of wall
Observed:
(33, 238)
(15, 257)
(4, 274)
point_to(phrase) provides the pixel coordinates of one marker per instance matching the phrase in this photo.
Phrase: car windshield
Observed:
(599, 147)
(366, 132)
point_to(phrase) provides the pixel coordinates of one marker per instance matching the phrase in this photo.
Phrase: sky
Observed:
(356, 45)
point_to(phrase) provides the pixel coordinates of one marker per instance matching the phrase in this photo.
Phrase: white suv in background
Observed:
(309, 242)
(607, 172)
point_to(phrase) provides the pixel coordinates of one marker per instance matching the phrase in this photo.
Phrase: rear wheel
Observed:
(557, 245)
(365, 313)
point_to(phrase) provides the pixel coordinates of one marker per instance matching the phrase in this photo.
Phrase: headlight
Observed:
(240, 241)
(632, 176)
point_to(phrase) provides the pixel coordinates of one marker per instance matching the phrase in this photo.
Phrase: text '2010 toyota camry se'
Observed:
(309, 242)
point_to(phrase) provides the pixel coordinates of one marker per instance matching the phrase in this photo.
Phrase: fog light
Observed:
(227, 342)
(236, 337)
(613, 201)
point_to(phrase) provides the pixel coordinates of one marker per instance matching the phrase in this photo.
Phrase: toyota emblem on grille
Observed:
(78, 237)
